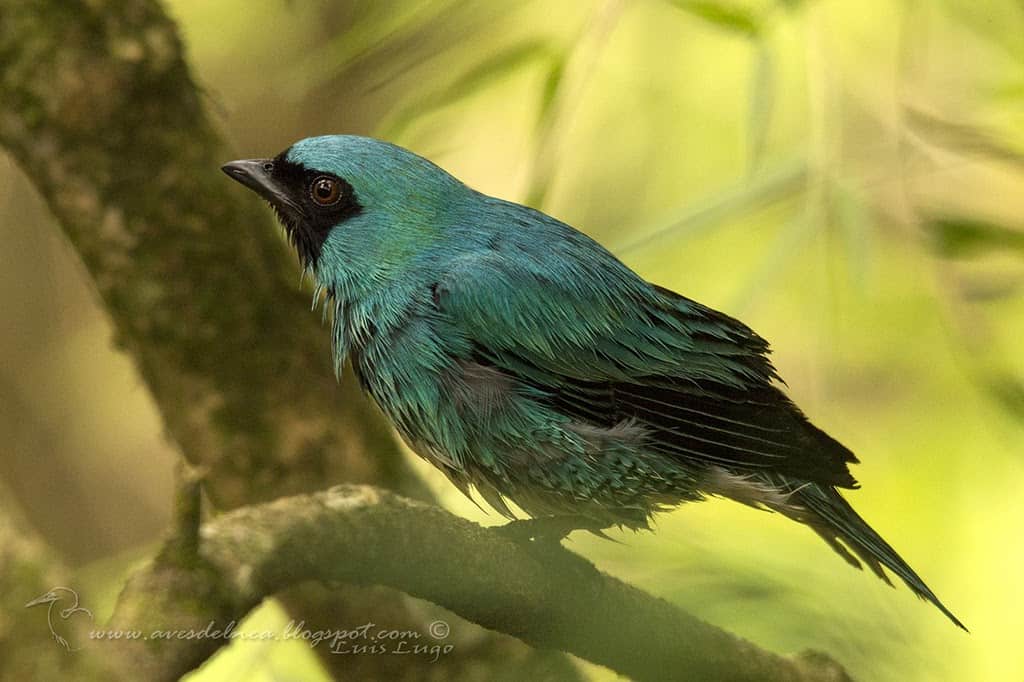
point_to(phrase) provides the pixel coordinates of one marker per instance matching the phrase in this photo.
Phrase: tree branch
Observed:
(538, 592)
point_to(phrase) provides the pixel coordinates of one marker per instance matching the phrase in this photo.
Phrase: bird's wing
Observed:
(605, 347)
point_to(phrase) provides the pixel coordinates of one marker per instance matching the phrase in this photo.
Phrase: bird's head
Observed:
(47, 597)
(344, 197)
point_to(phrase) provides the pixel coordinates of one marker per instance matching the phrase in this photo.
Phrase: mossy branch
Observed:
(99, 109)
(536, 591)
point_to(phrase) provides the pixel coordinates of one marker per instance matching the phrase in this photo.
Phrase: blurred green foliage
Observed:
(957, 237)
(847, 177)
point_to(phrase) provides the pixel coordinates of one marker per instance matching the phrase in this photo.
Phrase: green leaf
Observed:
(987, 289)
(963, 237)
(552, 82)
(724, 15)
(762, 104)
(375, 31)
(484, 74)
(1008, 392)
(787, 245)
(961, 137)
(855, 223)
(547, 112)
(766, 188)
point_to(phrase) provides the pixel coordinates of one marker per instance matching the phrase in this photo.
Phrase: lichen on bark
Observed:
(98, 107)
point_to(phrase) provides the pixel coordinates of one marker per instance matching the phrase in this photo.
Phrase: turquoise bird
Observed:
(528, 363)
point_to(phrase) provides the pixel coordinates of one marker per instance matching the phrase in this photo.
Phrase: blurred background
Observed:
(847, 178)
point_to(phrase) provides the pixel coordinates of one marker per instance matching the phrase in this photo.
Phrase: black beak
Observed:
(257, 175)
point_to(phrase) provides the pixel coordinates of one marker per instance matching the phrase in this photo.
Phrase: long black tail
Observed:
(839, 522)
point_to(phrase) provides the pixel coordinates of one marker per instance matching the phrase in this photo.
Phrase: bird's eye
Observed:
(325, 191)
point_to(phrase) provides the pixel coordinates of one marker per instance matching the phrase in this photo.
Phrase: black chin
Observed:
(307, 242)
(285, 185)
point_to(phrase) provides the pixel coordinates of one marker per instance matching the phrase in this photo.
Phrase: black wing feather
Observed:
(703, 422)
(749, 430)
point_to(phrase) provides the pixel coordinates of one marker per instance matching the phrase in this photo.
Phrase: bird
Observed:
(531, 366)
(50, 598)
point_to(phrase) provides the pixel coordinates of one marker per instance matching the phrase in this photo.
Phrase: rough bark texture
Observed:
(536, 591)
(98, 107)
(28, 650)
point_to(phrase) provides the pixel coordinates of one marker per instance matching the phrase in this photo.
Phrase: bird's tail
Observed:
(845, 531)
